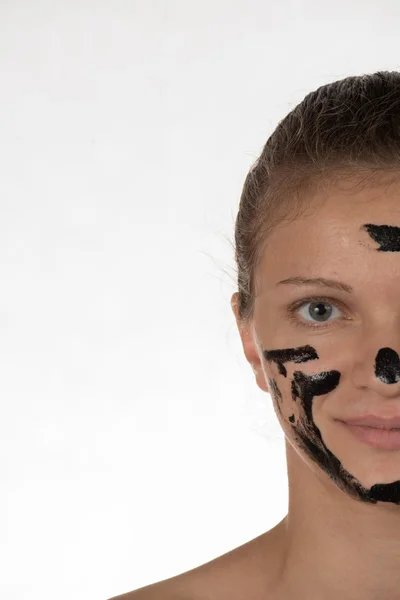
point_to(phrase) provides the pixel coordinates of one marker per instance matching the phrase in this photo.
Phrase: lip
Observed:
(378, 422)
(377, 437)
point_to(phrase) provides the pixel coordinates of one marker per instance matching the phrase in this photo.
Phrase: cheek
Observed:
(294, 394)
(287, 410)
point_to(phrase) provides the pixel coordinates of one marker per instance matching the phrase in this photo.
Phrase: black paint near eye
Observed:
(297, 355)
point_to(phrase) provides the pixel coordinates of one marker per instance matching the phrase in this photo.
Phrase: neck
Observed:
(334, 546)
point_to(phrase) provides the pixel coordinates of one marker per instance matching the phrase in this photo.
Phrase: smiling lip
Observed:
(374, 421)
(375, 431)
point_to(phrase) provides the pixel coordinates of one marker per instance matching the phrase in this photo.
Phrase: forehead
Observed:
(330, 239)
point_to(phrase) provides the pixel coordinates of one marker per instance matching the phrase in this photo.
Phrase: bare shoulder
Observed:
(245, 572)
(163, 590)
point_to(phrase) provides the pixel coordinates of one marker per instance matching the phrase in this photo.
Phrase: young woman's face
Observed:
(337, 357)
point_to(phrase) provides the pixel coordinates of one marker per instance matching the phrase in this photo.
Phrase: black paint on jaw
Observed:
(304, 388)
(388, 236)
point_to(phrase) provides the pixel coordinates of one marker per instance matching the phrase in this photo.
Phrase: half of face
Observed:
(304, 388)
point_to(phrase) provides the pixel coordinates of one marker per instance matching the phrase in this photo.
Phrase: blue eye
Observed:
(320, 310)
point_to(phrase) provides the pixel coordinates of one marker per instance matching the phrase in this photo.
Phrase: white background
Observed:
(135, 444)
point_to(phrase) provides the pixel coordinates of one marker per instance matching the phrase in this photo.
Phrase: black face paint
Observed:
(388, 236)
(277, 393)
(308, 436)
(305, 387)
(299, 355)
(387, 366)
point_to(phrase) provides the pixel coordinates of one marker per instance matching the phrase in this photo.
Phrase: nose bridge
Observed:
(387, 366)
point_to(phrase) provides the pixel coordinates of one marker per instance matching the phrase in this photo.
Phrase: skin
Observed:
(341, 537)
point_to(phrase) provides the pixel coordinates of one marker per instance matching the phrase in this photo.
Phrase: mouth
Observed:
(375, 421)
(377, 437)
(382, 427)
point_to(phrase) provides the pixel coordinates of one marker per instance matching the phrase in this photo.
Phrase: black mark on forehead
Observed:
(388, 236)
(297, 355)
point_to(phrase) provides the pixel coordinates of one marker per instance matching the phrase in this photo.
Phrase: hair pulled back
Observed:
(342, 130)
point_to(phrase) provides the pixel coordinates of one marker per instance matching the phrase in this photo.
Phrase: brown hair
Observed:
(342, 130)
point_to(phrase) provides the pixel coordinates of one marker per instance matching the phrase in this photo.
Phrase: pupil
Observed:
(320, 310)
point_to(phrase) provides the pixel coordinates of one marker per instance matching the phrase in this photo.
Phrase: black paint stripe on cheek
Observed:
(276, 393)
(306, 387)
(275, 389)
(387, 236)
(297, 355)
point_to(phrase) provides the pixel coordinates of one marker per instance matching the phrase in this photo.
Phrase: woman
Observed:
(318, 312)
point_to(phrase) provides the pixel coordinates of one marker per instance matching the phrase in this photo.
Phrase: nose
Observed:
(387, 366)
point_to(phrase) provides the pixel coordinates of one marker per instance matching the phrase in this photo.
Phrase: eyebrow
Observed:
(320, 281)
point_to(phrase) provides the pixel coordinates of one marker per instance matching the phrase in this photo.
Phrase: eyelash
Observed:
(294, 307)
